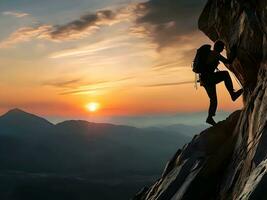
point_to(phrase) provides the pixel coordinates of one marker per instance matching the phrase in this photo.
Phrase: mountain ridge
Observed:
(76, 133)
(39, 161)
(17, 114)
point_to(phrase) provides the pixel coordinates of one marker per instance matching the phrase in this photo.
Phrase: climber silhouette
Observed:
(210, 75)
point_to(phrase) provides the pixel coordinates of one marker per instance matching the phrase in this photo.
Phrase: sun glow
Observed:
(93, 106)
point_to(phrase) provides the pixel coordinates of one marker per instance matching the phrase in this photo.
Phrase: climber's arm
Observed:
(232, 57)
(226, 60)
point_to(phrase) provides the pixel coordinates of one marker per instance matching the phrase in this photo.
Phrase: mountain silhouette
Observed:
(18, 120)
(31, 145)
(20, 116)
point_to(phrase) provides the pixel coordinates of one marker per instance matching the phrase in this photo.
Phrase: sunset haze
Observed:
(128, 56)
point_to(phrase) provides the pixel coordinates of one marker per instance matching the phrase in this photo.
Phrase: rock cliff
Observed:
(229, 160)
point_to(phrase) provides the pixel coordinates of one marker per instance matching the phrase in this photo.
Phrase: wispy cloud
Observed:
(84, 91)
(167, 65)
(92, 48)
(107, 85)
(169, 84)
(86, 25)
(89, 23)
(16, 14)
(81, 86)
(25, 34)
(63, 83)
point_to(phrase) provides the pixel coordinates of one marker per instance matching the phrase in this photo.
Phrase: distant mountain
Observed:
(18, 116)
(32, 145)
(18, 121)
(185, 129)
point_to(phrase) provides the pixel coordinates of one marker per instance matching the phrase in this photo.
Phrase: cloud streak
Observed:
(91, 49)
(168, 84)
(63, 83)
(16, 14)
(84, 26)
(164, 66)
(25, 34)
(84, 91)
(81, 86)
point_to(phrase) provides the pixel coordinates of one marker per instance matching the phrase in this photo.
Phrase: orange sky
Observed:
(113, 63)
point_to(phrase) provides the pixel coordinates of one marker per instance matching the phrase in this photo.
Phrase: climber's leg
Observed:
(224, 76)
(211, 91)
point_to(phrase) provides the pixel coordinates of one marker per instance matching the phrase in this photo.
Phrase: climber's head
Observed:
(219, 46)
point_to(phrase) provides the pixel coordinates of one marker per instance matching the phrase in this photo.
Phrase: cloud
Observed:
(25, 34)
(98, 86)
(93, 48)
(169, 84)
(90, 23)
(80, 86)
(16, 14)
(164, 66)
(71, 83)
(85, 25)
(84, 91)
(167, 21)
(63, 83)
(77, 29)
(75, 86)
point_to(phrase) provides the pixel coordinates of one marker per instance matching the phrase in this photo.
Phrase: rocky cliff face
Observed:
(229, 160)
(241, 23)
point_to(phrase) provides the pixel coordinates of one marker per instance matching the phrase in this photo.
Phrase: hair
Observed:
(219, 45)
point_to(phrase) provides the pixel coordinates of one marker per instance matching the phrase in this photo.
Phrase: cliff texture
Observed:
(229, 160)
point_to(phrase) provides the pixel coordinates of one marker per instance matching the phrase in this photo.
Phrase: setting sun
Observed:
(93, 106)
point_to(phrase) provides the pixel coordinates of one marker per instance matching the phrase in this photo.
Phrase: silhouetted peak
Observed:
(83, 124)
(15, 111)
(19, 116)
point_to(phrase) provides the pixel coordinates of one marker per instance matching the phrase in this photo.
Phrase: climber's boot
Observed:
(211, 121)
(237, 94)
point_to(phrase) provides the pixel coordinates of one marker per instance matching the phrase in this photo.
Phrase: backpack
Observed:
(201, 59)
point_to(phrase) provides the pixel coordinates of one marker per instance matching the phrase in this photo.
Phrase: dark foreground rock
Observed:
(228, 161)
(194, 172)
